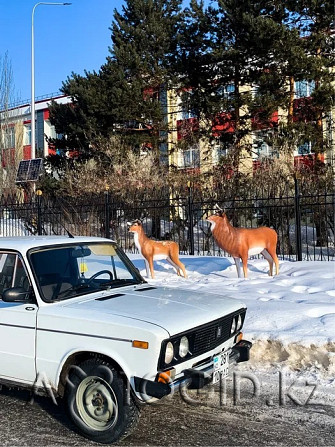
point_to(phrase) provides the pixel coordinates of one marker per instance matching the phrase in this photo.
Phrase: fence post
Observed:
(297, 209)
(107, 214)
(39, 212)
(190, 217)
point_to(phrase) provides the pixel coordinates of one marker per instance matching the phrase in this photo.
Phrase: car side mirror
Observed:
(16, 295)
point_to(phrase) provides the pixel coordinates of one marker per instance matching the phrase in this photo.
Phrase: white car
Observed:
(77, 320)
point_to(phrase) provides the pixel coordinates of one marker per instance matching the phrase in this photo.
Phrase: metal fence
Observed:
(304, 222)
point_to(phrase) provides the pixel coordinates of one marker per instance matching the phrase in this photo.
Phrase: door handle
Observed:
(30, 308)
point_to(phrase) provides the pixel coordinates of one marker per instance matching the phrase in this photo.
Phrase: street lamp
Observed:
(33, 138)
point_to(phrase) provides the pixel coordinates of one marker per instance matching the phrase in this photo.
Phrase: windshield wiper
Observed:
(75, 288)
(117, 283)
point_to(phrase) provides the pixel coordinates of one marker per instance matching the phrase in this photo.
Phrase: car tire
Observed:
(99, 403)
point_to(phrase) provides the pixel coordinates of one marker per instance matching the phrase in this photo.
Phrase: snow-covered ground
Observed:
(13, 227)
(290, 317)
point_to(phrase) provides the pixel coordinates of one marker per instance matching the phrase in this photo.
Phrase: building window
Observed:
(261, 147)
(27, 135)
(220, 149)
(186, 114)
(255, 90)
(9, 139)
(190, 158)
(305, 149)
(186, 110)
(227, 91)
(304, 89)
(50, 130)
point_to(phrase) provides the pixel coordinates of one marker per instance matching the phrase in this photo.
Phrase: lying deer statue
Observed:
(244, 242)
(153, 250)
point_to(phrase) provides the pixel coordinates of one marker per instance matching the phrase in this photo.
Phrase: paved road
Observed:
(211, 418)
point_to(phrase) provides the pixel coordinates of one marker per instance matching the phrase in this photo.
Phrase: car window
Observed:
(94, 263)
(66, 271)
(12, 272)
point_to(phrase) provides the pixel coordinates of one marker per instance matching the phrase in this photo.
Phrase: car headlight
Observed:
(233, 326)
(183, 346)
(169, 353)
(239, 323)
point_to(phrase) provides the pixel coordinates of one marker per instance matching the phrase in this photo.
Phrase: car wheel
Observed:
(99, 403)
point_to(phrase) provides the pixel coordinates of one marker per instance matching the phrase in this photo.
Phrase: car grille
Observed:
(203, 338)
(212, 335)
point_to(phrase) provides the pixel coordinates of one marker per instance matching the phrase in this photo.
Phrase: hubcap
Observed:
(96, 403)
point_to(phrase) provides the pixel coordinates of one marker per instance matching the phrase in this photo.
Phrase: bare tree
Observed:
(11, 130)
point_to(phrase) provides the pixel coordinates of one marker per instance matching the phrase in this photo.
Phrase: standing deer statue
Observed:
(244, 242)
(154, 250)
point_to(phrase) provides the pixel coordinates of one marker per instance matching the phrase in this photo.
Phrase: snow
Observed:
(290, 317)
(13, 227)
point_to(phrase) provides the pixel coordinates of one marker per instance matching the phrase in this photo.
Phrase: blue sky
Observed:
(67, 39)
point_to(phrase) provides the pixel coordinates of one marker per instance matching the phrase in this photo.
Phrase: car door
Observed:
(17, 322)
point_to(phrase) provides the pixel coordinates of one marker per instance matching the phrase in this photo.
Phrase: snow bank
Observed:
(294, 356)
(290, 317)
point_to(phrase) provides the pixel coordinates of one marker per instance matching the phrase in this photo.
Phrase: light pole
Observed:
(33, 137)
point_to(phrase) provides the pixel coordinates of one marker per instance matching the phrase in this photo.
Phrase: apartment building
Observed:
(201, 155)
(15, 130)
(198, 155)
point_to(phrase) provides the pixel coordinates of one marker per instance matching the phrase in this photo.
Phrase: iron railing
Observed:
(304, 222)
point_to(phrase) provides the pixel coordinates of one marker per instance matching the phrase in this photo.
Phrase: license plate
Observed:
(221, 365)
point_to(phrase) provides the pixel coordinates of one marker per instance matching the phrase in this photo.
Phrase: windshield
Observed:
(66, 271)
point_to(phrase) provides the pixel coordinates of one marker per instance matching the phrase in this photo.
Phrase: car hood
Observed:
(175, 310)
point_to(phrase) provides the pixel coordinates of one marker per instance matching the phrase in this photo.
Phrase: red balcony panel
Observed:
(256, 164)
(187, 127)
(226, 172)
(303, 110)
(73, 154)
(8, 157)
(27, 152)
(320, 157)
(191, 171)
(51, 149)
(308, 161)
(147, 146)
(223, 123)
(151, 92)
(260, 121)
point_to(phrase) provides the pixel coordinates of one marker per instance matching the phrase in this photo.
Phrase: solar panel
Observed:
(29, 170)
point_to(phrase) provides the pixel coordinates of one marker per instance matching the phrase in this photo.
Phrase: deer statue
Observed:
(244, 242)
(154, 250)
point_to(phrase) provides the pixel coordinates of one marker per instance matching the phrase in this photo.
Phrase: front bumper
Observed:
(192, 378)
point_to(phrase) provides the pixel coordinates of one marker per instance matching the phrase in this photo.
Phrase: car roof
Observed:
(25, 243)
